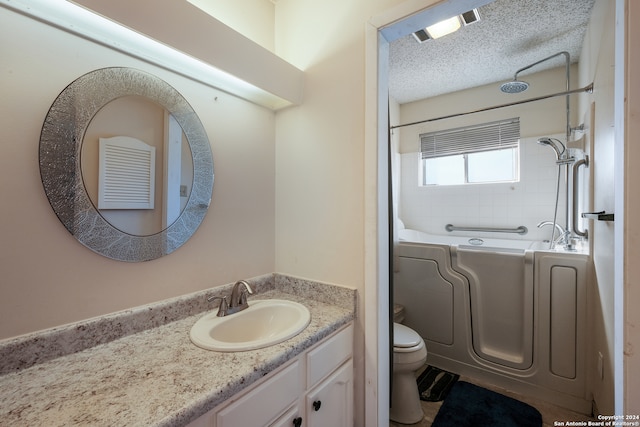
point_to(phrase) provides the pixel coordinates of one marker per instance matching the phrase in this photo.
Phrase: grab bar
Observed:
(574, 222)
(519, 230)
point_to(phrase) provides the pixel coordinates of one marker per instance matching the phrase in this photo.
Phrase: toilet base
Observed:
(405, 400)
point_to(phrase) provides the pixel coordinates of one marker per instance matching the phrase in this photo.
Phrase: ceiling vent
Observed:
(470, 17)
(421, 36)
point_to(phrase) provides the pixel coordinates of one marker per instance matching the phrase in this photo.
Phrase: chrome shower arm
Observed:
(567, 58)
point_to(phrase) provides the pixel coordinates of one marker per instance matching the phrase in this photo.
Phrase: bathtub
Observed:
(409, 235)
(484, 243)
(499, 310)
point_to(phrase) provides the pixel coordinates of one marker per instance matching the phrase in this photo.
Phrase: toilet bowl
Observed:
(409, 355)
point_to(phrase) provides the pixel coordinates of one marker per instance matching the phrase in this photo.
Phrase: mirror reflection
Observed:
(135, 192)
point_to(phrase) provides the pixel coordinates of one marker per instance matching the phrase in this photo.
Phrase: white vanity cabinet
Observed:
(314, 389)
(330, 403)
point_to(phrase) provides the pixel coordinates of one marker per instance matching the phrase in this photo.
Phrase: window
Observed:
(474, 154)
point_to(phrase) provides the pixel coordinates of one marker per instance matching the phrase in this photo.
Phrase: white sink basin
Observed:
(264, 323)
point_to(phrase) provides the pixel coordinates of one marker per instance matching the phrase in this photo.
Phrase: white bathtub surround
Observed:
(149, 372)
(504, 205)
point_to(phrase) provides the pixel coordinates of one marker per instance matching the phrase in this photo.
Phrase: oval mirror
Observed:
(126, 164)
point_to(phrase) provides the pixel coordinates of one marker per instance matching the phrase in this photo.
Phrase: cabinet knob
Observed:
(297, 422)
(316, 405)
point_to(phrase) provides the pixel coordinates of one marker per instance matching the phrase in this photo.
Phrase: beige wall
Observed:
(320, 161)
(47, 277)
(632, 207)
(536, 118)
(254, 19)
(597, 66)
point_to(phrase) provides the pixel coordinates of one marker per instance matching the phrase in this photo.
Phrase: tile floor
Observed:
(550, 413)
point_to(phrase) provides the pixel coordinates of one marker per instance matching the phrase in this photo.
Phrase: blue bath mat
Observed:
(468, 405)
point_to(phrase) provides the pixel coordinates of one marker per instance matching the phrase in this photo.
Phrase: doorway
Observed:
(384, 28)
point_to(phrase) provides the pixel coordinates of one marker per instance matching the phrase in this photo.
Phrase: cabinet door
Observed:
(331, 402)
(291, 418)
(328, 355)
(265, 402)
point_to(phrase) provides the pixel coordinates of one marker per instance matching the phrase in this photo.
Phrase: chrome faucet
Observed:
(555, 224)
(564, 236)
(238, 300)
(239, 297)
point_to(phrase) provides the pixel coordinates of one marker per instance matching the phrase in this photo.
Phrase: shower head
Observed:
(515, 86)
(557, 145)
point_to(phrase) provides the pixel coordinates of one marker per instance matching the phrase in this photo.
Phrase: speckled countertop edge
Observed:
(157, 376)
(27, 350)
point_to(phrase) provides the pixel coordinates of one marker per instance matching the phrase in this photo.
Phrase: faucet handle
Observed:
(224, 305)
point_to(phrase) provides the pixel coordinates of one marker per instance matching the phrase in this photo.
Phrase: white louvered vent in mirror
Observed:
(127, 174)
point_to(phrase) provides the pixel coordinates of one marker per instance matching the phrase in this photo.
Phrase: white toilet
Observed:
(409, 355)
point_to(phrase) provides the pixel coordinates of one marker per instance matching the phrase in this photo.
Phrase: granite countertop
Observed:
(157, 377)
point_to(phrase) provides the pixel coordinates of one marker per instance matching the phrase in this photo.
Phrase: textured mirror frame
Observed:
(60, 147)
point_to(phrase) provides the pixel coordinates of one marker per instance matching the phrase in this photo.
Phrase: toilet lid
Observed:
(405, 337)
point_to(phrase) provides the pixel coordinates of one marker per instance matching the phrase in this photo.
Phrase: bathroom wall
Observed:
(320, 144)
(632, 206)
(254, 19)
(544, 117)
(320, 163)
(527, 202)
(47, 277)
(504, 205)
(599, 67)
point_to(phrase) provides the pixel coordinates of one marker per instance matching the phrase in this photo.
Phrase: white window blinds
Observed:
(471, 139)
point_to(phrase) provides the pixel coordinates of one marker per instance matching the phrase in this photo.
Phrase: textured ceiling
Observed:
(510, 35)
